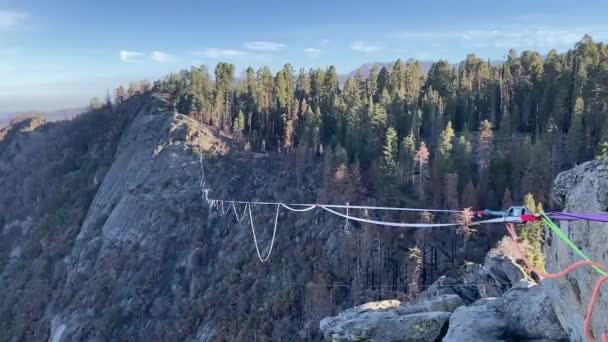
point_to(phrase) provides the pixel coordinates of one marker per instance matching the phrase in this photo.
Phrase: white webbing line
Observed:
(419, 225)
(244, 212)
(274, 233)
(214, 203)
(389, 224)
(227, 210)
(311, 207)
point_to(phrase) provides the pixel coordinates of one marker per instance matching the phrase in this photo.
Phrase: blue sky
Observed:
(58, 54)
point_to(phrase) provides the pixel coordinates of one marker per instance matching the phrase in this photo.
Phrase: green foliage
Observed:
(533, 234)
(445, 146)
(390, 152)
(603, 152)
(240, 122)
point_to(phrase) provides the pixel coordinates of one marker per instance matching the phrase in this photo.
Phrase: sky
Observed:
(58, 54)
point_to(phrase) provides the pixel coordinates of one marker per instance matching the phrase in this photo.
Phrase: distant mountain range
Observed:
(55, 115)
(366, 68)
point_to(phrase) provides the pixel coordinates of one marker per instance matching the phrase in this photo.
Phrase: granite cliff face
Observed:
(104, 235)
(582, 189)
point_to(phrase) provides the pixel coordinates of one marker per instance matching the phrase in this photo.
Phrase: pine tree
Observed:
(223, 106)
(407, 152)
(390, 152)
(240, 122)
(486, 144)
(575, 133)
(201, 92)
(120, 95)
(422, 160)
(414, 272)
(445, 147)
(463, 159)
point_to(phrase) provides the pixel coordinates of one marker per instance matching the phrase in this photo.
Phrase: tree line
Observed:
(478, 134)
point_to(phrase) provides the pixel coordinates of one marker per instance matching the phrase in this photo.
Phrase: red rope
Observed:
(545, 275)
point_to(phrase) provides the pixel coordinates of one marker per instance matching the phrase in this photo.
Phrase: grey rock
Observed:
(530, 315)
(480, 323)
(486, 301)
(381, 321)
(582, 189)
(446, 303)
(503, 269)
(450, 286)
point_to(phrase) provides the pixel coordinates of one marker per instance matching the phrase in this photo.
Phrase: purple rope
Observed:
(559, 216)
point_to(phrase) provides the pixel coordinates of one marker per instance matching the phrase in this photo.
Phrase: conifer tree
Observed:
(533, 234)
(575, 134)
(422, 161)
(390, 152)
(445, 146)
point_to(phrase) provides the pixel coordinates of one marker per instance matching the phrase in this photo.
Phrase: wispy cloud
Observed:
(312, 52)
(11, 19)
(161, 57)
(215, 53)
(362, 46)
(264, 46)
(325, 42)
(130, 56)
(509, 37)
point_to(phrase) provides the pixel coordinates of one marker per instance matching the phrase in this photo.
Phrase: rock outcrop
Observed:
(582, 189)
(522, 313)
(529, 313)
(483, 323)
(390, 321)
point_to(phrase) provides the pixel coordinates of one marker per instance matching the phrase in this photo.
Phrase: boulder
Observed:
(502, 268)
(424, 320)
(445, 303)
(450, 286)
(582, 189)
(530, 315)
(480, 323)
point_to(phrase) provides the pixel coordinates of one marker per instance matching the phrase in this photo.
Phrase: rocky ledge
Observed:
(490, 302)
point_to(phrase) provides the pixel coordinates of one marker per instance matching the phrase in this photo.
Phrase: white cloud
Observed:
(264, 46)
(505, 38)
(325, 42)
(11, 19)
(161, 57)
(130, 56)
(214, 53)
(312, 52)
(361, 46)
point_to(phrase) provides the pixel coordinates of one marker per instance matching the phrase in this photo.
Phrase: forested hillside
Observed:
(491, 133)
